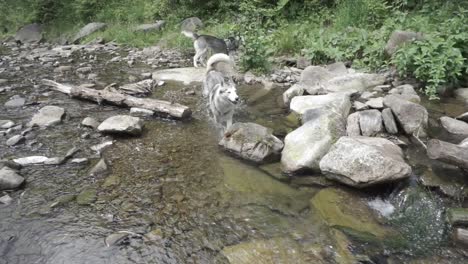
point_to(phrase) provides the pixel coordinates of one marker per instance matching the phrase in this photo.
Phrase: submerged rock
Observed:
(412, 117)
(122, 124)
(305, 146)
(9, 179)
(252, 142)
(184, 75)
(364, 161)
(47, 116)
(87, 196)
(454, 126)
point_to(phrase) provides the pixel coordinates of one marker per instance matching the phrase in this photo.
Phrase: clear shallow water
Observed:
(173, 181)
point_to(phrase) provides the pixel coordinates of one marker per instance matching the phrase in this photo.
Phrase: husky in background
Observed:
(220, 89)
(204, 44)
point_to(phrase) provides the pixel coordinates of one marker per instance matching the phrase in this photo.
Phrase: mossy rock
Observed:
(87, 196)
(343, 210)
(112, 180)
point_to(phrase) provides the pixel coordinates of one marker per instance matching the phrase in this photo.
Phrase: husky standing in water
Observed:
(203, 44)
(220, 89)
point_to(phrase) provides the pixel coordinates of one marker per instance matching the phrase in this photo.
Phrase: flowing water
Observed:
(174, 185)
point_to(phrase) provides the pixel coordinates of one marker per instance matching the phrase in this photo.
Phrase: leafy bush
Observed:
(360, 13)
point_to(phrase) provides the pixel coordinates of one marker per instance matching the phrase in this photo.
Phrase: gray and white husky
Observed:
(204, 44)
(220, 89)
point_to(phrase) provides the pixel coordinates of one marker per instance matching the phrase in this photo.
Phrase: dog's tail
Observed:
(219, 58)
(190, 34)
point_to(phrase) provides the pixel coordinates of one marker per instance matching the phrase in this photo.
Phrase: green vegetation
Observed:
(322, 30)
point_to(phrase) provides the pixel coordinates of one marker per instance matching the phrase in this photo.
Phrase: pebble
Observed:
(14, 140)
(6, 199)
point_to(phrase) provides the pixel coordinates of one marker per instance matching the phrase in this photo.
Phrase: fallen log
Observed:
(119, 99)
(448, 152)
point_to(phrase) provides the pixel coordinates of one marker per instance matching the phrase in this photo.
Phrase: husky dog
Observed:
(220, 89)
(203, 44)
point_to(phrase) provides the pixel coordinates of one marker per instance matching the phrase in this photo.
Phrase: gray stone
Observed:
(364, 161)
(399, 38)
(352, 127)
(47, 116)
(79, 161)
(375, 103)
(15, 140)
(406, 89)
(302, 62)
(62, 69)
(29, 34)
(462, 94)
(367, 95)
(389, 121)
(305, 146)
(84, 70)
(360, 106)
(115, 239)
(88, 30)
(340, 103)
(54, 161)
(412, 117)
(464, 143)
(32, 160)
(191, 24)
(349, 83)
(454, 126)
(15, 102)
(252, 142)
(135, 111)
(150, 27)
(448, 152)
(122, 124)
(462, 117)
(337, 68)
(414, 98)
(370, 122)
(184, 75)
(90, 122)
(293, 91)
(100, 168)
(87, 196)
(5, 124)
(6, 199)
(9, 179)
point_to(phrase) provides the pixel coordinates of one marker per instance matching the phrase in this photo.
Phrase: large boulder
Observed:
(305, 146)
(399, 38)
(338, 102)
(9, 179)
(122, 124)
(150, 27)
(47, 116)
(29, 34)
(364, 161)
(454, 126)
(448, 152)
(352, 125)
(412, 117)
(88, 30)
(252, 142)
(349, 83)
(370, 122)
(389, 121)
(191, 24)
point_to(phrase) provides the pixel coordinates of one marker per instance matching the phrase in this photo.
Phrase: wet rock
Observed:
(15, 140)
(332, 205)
(99, 168)
(360, 106)
(63, 200)
(150, 27)
(54, 161)
(370, 122)
(191, 24)
(15, 102)
(352, 127)
(293, 91)
(305, 146)
(460, 236)
(458, 216)
(90, 122)
(87, 30)
(101, 147)
(375, 103)
(32, 160)
(364, 161)
(87, 196)
(29, 33)
(338, 102)
(462, 94)
(84, 70)
(462, 117)
(5, 124)
(389, 121)
(184, 75)
(79, 161)
(454, 126)
(115, 239)
(110, 181)
(47, 116)
(448, 152)
(412, 117)
(122, 124)
(135, 111)
(6, 199)
(252, 142)
(9, 179)
(399, 38)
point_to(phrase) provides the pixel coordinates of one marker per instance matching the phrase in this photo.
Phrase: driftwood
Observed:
(119, 99)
